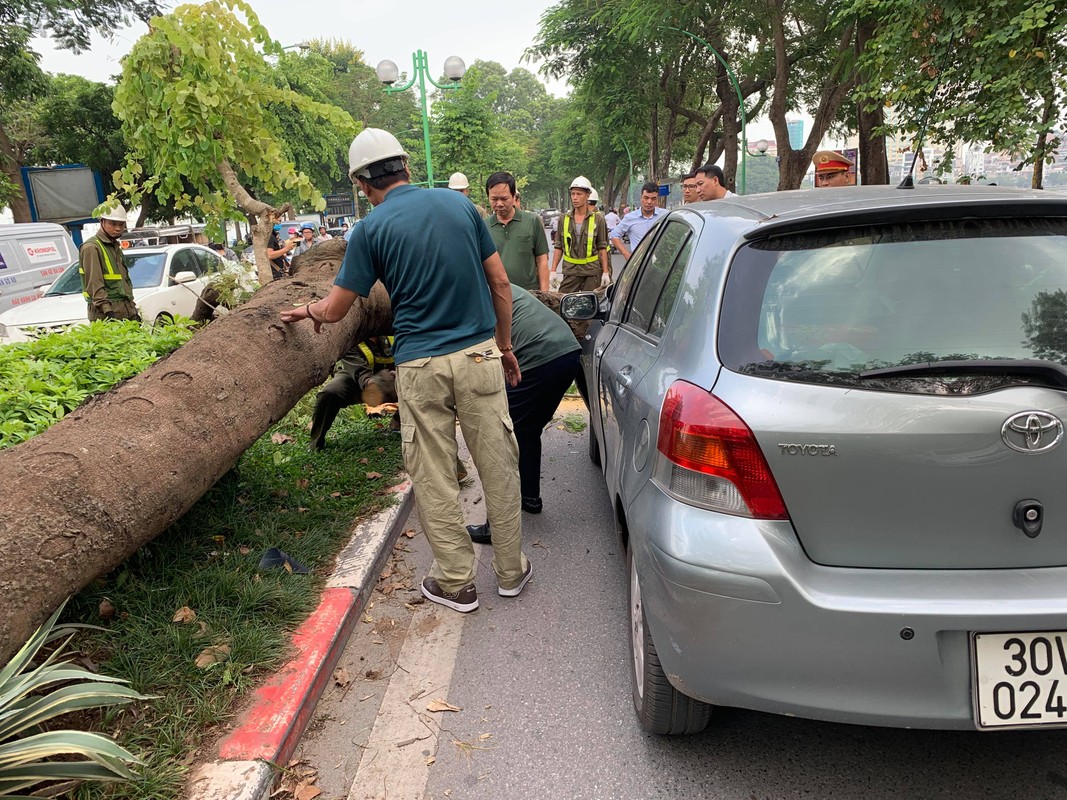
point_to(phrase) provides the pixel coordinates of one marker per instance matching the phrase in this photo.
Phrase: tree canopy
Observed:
(202, 116)
(970, 72)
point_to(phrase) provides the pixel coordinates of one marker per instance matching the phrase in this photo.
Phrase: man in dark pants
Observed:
(548, 359)
(354, 373)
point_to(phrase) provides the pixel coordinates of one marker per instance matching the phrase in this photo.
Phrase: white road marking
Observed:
(405, 734)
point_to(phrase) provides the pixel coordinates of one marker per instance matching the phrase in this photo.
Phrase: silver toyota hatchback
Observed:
(831, 426)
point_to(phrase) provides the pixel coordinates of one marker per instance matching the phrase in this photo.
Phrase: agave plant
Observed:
(30, 695)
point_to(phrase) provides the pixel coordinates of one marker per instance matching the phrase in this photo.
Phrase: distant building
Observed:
(796, 133)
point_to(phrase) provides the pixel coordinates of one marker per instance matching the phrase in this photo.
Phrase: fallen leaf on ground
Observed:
(335, 494)
(340, 677)
(302, 483)
(373, 476)
(373, 674)
(281, 438)
(106, 609)
(244, 550)
(410, 533)
(430, 760)
(306, 792)
(437, 704)
(485, 736)
(215, 654)
(364, 461)
(184, 614)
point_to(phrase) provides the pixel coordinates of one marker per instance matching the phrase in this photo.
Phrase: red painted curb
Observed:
(281, 709)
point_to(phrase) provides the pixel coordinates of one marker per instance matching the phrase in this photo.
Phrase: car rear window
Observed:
(828, 307)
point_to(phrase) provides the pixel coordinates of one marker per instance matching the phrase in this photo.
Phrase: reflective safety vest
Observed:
(112, 280)
(590, 224)
(383, 361)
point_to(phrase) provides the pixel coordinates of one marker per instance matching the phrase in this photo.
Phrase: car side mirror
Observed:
(187, 276)
(579, 306)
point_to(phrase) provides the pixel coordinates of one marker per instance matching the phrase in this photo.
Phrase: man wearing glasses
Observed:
(689, 188)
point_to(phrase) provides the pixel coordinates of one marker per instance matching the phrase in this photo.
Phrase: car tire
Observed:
(661, 709)
(594, 446)
(162, 319)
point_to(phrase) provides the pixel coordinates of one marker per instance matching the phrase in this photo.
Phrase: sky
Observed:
(382, 29)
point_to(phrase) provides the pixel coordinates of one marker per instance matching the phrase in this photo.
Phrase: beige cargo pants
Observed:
(433, 392)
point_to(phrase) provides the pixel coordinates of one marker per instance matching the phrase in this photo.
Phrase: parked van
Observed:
(32, 255)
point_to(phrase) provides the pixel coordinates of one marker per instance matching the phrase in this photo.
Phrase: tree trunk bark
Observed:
(874, 166)
(85, 494)
(264, 215)
(1041, 150)
(9, 163)
(835, 88)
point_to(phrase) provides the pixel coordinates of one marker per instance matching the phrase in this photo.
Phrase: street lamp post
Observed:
(737, 88)
(388, 73)
(630, 174)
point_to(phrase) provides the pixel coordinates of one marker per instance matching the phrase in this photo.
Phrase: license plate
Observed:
(1020, 679)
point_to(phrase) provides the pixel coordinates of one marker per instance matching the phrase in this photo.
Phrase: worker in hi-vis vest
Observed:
(105, 279)
(582, 243)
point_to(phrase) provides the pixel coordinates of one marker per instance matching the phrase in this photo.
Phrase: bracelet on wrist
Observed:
(507, 349)
(311, 316)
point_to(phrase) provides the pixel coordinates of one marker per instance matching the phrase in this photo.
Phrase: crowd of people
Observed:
(484, 352)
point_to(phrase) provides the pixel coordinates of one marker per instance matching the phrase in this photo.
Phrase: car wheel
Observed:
(661, 708)
(594, 446)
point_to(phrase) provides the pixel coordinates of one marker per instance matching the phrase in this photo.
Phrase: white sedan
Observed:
(167, 282)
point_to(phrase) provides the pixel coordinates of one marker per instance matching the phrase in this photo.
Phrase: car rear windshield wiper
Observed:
(1055, 374)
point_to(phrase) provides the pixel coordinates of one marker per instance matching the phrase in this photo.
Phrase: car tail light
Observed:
(711, 458)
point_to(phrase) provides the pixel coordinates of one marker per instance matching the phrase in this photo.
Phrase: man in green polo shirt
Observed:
(519, 235)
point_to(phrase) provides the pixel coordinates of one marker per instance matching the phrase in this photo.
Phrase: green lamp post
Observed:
(388, 73)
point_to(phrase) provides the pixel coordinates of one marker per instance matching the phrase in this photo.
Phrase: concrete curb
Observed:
(270, 730)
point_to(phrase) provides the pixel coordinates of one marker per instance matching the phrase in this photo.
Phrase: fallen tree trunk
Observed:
(84, 495)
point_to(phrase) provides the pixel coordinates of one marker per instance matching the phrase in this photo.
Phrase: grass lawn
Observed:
(233, 620)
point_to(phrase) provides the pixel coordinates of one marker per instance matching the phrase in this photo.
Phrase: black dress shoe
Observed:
(532, 505)
(480, 534)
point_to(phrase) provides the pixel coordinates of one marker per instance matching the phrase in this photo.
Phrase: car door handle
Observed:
(624, 378)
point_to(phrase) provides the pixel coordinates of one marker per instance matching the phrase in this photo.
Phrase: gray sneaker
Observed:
(463, 601)
(514, 591)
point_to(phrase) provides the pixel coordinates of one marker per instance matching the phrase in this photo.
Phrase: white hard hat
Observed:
(116, 214)
(457, 180)
(594, 197)
(582, 182)
(373, 153)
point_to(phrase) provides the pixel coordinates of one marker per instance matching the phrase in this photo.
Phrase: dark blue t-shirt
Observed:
(427, 246)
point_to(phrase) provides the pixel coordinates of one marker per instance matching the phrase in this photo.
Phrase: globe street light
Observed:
(388, 73)
(737, 88)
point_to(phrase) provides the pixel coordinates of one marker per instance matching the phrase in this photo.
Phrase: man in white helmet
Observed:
(451, 303)
(105, 279)
(581, 243)
(458, 182)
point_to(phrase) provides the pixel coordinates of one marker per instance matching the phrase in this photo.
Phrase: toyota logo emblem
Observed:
(1032, 432)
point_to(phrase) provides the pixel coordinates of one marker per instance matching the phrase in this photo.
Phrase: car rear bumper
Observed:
(741, 617)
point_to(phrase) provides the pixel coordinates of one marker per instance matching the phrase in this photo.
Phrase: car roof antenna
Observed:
(909, 181)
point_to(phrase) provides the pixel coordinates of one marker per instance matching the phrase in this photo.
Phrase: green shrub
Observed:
(41, 381)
